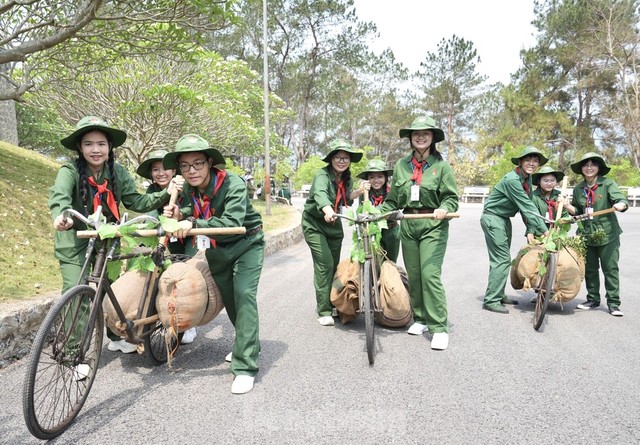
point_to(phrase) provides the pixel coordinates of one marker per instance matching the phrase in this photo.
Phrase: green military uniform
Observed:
(601, 234)
(235, 261)
(424, 241)
(547, 207)
(506, 199)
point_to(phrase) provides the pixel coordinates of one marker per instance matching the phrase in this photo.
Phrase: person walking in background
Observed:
(214, 197)
(94, 179)
(331, 189)
(377, 174)
(424, 183)
(510, 195)
(602, 233)
(152, 169)
(546, 197)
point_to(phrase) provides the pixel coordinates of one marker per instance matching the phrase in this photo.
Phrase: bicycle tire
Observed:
(52, 393)
(367, 296)
(545, 293)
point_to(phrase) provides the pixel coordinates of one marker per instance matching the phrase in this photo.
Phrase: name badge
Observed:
(173, 239)
(415, 192)
(203, 242)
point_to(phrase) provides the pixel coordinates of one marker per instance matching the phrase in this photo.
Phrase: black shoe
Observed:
(506, 300)
(588, 305)
(615, 311)
(498, 308)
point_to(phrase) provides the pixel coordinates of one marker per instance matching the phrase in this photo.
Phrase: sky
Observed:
(499, 29)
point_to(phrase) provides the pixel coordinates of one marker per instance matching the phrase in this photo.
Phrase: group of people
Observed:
(422, 182)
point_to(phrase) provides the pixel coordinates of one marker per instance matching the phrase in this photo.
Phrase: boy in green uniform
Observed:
(424, 183)
(331, 189)
(602, 233)
(93, 180)
(510, 195)
(377, 176)
(214, 197)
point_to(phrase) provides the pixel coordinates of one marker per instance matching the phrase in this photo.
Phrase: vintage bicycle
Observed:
(65, 354)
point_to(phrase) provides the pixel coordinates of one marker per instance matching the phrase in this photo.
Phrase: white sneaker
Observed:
(81, 372)
(188, 336)
(334, 312)
(122, 345)
(417, 329)
(242, 384)
(228, 357)
(440, 341)
(326, 321)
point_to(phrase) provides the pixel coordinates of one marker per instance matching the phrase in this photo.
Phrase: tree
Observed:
(39, 35)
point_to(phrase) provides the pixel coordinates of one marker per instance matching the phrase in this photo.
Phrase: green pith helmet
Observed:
(375, 166)
(190, 143)
(423, 123)
(530, 151)
(144, 169)
(340, 144)
(546, 170)
(88, 123)
(576, 167)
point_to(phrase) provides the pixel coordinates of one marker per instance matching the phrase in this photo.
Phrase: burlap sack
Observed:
(128, 291)
(344, 290)
(182, 297)
(214, 303)
(525, 266)
(394, 296)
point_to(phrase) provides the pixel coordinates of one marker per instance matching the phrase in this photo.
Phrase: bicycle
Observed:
(369, 288)
(65, 354)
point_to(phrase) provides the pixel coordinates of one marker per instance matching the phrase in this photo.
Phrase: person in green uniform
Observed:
(152, 169)
(93, 179)
(214, 197)
(602, 233)
(423, 182)
(377, 174)
(546, 197)
(331, 189)
(510, 195)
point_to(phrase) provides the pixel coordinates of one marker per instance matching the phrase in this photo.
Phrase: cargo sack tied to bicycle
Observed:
(127, 289)
(344, 290)
(569, 271)
(394, 296)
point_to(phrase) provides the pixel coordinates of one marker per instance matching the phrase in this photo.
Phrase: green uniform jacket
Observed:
(65, 194)
(508, 197)
(438, 189)
(539, 201)
(323, 193)
(607, 194)
(230, 206)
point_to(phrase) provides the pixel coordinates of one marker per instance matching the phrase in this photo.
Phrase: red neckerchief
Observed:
(341, 195)
(376, 200)
(525, 185)
(590, 194)
(97, 198)
(551, 208)
(202, 207)
(418, 167)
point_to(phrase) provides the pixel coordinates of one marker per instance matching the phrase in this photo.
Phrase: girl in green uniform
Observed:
(602, 233)
(377, 176)
(92, 180)
(510, 195)
(546, 197)
(214, 197)
(330, 190)
(152, 169)
(424, 183)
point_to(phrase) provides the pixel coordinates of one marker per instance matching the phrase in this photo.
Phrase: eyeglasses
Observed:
(341, 159)
(197, 166)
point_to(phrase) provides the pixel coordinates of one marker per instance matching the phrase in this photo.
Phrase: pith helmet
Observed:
(423, 123)
(546, 170)
(576, 167)
(374, 166)
(527, 151)
(190, 143)
(88, 123)
(144, 169)
(340, 144)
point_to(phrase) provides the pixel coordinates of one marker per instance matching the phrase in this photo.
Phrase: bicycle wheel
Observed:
(59, 373)
(545, 293)
(367, 296)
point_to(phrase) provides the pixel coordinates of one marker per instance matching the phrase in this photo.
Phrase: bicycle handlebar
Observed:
(160, 232)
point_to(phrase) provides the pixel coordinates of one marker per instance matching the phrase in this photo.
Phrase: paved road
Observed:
(500, 382)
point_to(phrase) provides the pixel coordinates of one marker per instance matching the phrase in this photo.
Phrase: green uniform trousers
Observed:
(497, 235)
(236, 269)
(390, 242)
(607, 257)
(325, 246)
(424, 244)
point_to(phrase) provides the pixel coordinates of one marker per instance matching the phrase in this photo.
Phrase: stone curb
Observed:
(18, 326)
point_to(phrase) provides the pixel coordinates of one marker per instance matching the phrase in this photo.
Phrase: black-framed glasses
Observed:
(197, 166)
(342, 159)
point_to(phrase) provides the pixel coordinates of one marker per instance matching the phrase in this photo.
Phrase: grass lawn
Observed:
(26, 232)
